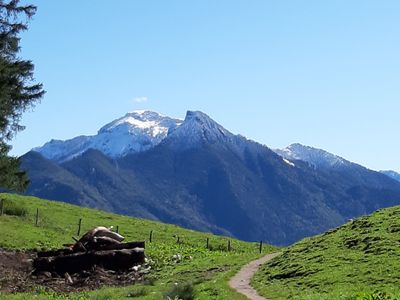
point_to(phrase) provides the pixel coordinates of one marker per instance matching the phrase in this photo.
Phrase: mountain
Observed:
(135, 132)
(392, 174)
(334, 165)
(201, 176)
(317, 158)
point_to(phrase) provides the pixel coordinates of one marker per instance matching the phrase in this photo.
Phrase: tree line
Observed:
(18, 89)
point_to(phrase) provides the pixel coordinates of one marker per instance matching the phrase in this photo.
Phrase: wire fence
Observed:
(210, 242)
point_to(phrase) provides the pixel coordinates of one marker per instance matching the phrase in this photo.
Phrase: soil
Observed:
(241, 281)
(17, 275)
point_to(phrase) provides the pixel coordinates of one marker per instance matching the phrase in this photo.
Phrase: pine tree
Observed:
(18, 92)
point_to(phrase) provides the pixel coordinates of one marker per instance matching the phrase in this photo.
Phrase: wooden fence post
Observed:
(117, 229)
(207, 243)
(79, 227)
(229, 245)
(261, 244)
(37, 217)
(1, 206)
(178, 239)
(151, 236)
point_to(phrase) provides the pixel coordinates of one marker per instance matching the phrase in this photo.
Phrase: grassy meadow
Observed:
(207, 271)
(360, 260)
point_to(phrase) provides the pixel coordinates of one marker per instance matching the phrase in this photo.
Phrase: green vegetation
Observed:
(360, 260)
(18, 91)
(182, 291)
(198, 271)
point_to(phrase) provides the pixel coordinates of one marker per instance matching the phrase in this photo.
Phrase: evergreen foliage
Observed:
(18, 92)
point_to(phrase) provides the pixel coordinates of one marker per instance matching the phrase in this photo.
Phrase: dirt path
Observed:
(241, 281)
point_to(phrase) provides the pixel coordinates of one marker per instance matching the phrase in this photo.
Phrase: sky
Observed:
(321, 73)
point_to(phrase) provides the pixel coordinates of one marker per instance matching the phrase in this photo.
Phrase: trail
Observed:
(241, 281)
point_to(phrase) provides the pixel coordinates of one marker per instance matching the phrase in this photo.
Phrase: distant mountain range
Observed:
(321, 159)
(197, 174)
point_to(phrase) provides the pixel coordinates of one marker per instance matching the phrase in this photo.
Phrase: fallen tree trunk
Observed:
(76, 262)
(67, 251)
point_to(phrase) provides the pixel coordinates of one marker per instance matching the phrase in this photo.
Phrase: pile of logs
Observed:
(98, 247)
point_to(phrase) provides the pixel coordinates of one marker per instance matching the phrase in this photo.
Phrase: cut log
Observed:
(67, 251)
(130, 245)
(58, 252)
(68, 279)
(95, 244)
(100, 231)
(73, 263)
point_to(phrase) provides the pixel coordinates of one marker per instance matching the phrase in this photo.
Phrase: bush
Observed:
(377, 295)
(219, 247)
(137, 293)
(181, 291)
(14, 209)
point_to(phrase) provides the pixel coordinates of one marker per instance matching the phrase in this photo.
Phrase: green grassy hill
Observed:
(207, 269)
(360, 260)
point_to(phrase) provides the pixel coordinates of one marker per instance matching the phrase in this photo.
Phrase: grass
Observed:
(360, 260)
(206, 271)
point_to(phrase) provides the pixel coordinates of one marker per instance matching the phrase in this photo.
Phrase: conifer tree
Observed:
(18, 91)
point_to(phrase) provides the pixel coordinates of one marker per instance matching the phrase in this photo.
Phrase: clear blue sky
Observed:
(322, 73)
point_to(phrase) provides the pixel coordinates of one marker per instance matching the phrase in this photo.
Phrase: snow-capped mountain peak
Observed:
(317, 158)
(153, 123)
(137, 131)
(198, 127)
(200, 121)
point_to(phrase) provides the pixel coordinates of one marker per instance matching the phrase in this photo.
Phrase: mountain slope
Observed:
(392, 174)
(360, 257)
(48, 179)
(204, 177)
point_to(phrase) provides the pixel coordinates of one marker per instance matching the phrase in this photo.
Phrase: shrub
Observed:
(137, 293)
(181, 291)
(219, 247)
(377, 295)
(14, 209)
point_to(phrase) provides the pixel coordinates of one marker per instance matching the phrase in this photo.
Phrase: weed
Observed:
(137, 293)
(181, 291)
(377, 295)
(217, 247)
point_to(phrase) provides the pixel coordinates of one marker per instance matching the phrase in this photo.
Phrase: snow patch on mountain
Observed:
(148, 122)
(316, 158)
(137, 131)
(288, 162)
